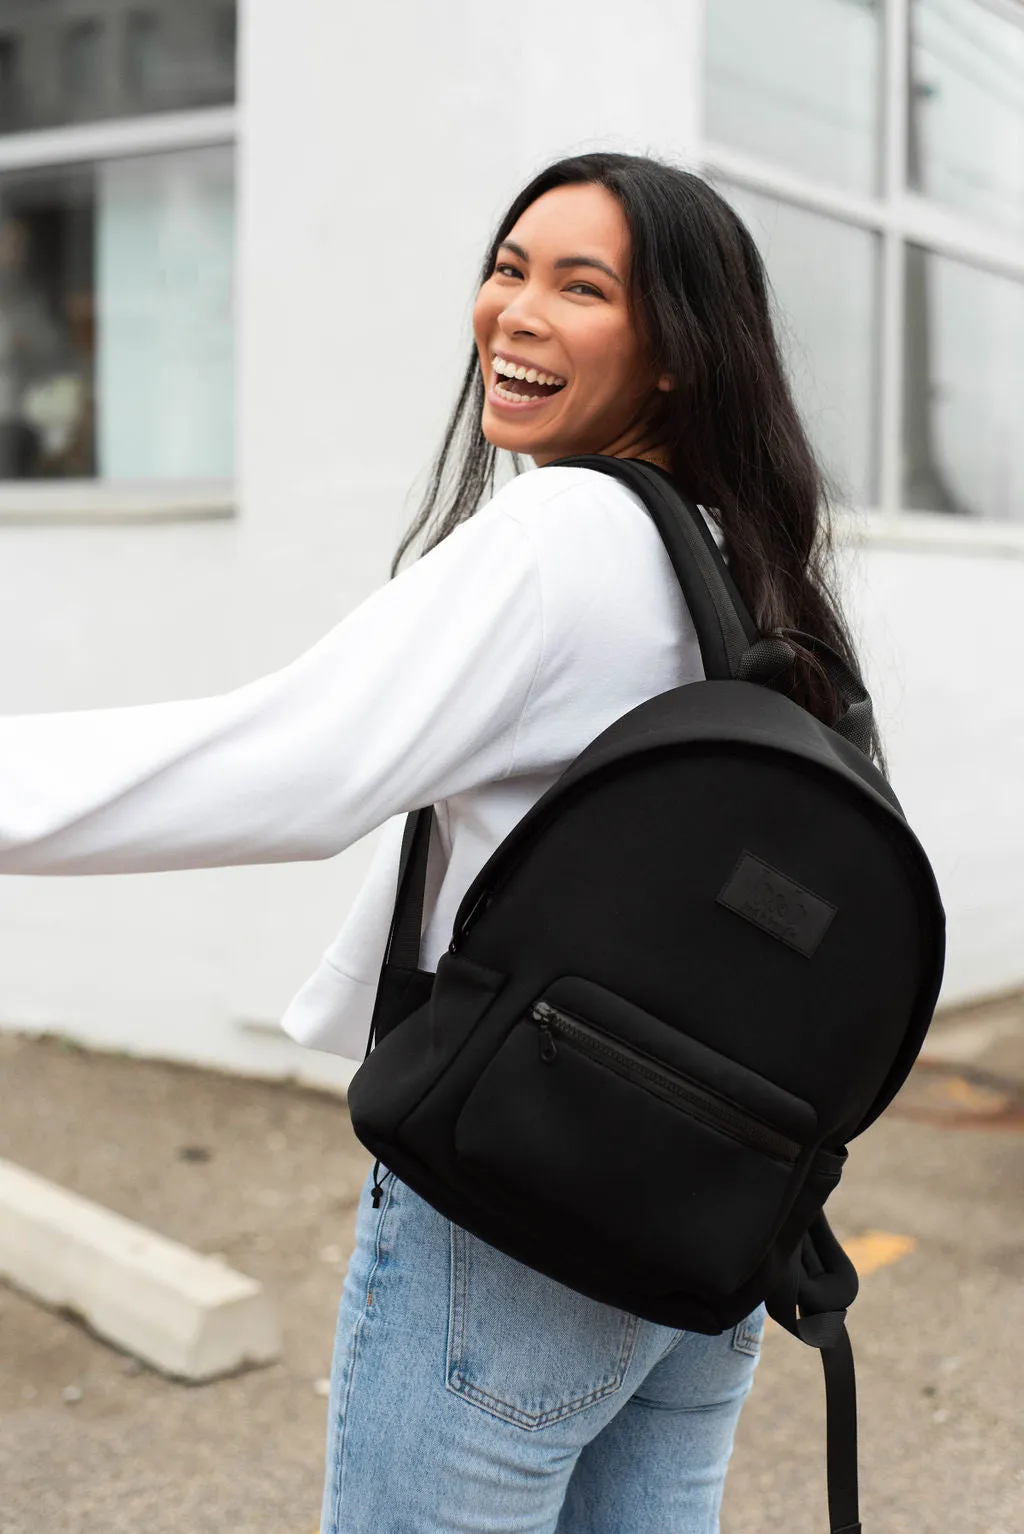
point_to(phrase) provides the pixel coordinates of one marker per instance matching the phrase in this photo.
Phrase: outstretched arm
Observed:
(414, 696)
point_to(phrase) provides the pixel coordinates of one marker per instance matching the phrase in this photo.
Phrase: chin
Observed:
(499, 435)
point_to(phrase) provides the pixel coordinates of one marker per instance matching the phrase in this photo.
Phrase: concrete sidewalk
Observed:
(265, 1174)
(90, 1443)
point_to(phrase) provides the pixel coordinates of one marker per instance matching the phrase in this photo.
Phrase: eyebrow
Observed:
(564, 260)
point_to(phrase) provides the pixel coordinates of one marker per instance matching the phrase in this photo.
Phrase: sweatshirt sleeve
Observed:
(416, 695)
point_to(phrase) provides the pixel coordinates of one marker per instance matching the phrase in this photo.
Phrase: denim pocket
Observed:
(524, 1347)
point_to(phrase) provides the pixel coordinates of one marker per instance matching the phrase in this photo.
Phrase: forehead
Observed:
(585, 218)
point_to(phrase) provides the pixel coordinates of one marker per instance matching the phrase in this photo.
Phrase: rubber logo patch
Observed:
(780, 907)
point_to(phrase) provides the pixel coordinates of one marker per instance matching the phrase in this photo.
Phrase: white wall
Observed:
(943, 644)
(380, 146)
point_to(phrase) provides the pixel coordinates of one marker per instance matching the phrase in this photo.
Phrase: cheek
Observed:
(603, 356)
(600, 384)
(484, 313)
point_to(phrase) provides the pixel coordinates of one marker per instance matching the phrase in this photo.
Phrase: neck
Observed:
(660, 459)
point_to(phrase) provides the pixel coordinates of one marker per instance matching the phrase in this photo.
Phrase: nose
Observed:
(518, 321)
(521, 315)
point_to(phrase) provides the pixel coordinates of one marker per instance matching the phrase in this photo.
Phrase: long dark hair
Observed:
(700, 299)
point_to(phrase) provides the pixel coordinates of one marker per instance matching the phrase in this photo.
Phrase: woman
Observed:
(623, 310)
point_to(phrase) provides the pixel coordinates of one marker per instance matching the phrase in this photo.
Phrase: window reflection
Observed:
(966, 103)
(825, 277)
(122, 59)
(116, 325)
(964, 393)
(798, 81)
(143, 54)
(83, 64)
(10, 81)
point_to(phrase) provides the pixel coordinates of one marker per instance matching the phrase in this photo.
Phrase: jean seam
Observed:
(356, 1330)
(457, 1383)
(679, 1337)
(457, 1321)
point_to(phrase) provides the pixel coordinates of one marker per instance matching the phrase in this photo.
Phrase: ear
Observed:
(666, 382)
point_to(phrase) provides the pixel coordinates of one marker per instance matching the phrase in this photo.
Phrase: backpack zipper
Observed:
(636, 1067)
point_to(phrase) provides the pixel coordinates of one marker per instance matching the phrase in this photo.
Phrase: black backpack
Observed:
(700, 964)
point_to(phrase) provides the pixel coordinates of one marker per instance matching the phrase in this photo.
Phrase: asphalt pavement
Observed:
(92, 1442)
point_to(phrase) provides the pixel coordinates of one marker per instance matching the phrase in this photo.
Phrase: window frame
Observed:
(898, 217)
(97, 499)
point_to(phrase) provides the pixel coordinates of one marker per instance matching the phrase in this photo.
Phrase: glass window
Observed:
(965, 142)
(825, 277)
(61, 62)
(143, 54)
(83, 66)
(798, 81)
(10, 81)
(116, 324)
(964, 392)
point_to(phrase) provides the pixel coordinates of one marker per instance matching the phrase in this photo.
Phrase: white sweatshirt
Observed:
(469, 681)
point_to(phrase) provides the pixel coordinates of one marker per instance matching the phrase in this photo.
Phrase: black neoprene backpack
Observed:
(703, 962)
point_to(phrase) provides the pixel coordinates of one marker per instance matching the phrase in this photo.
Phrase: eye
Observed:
(506, 266)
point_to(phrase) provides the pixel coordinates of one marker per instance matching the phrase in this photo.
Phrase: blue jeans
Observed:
(471, 1395)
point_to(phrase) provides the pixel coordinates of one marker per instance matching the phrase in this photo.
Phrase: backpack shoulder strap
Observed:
(401, 981)
(731, 646)
(725, 629)
(811, 1301)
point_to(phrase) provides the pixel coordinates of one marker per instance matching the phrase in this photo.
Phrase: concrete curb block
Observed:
(190, 1316)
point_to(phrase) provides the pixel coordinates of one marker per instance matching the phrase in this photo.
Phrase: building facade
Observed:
(224, 234)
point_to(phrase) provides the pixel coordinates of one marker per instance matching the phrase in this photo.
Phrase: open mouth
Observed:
(519, 388)
(519, 391)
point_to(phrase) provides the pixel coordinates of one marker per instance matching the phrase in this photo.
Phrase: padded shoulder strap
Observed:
(402, 950)
(730, 645)
(725, 629)
(404, 939)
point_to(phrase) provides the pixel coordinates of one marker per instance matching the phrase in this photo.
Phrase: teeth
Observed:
(519, 399)
(531, 375)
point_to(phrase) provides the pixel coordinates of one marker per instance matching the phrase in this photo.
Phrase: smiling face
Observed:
(557, 302)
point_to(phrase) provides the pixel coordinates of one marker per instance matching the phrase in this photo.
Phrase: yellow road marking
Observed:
(877, 1249)
(966, 1094)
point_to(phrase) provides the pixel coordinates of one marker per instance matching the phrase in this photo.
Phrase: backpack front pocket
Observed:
(649, 1155)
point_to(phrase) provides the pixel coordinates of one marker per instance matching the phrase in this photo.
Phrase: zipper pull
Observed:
(541, 1013)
